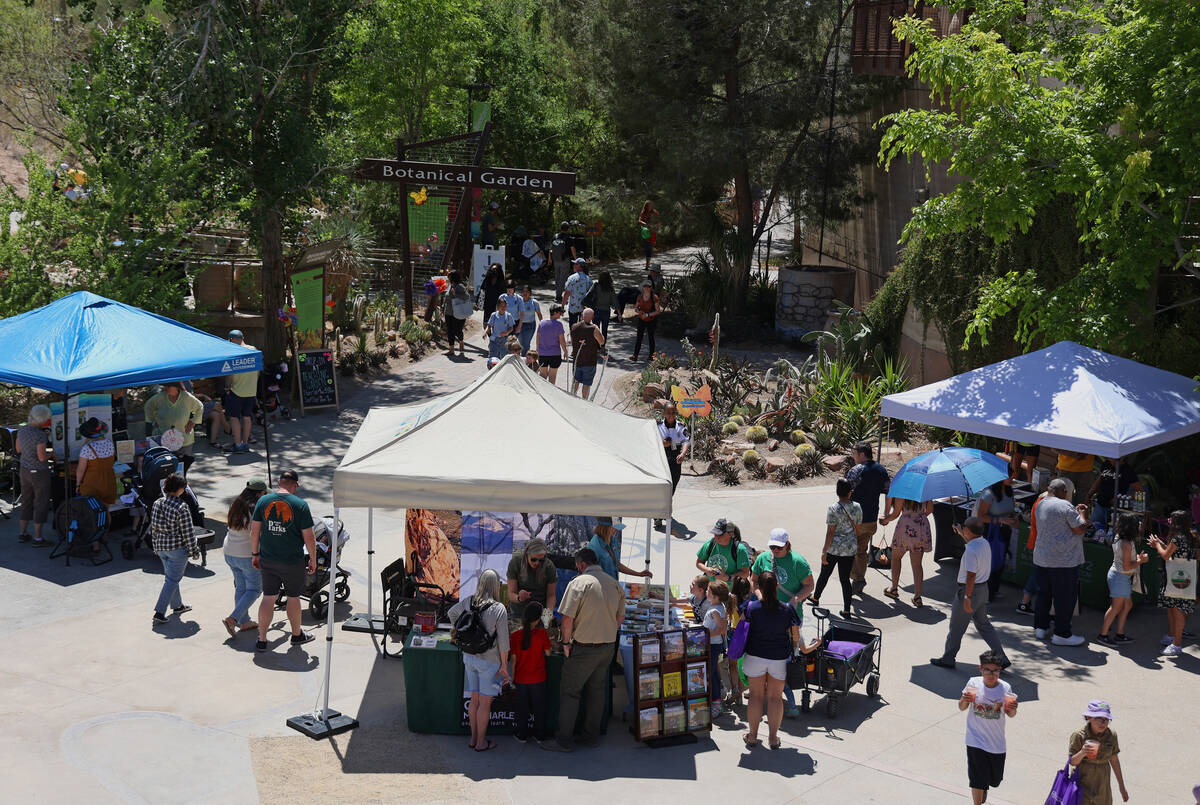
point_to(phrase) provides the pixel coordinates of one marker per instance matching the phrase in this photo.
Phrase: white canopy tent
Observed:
(1066, 396)
(509, 442)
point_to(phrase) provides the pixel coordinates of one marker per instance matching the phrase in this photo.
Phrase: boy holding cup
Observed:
(987, 699)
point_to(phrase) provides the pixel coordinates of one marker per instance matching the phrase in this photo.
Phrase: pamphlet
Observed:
(697, 679)
(648, 651)
(672, 684)
(648, 684)
(697, 642)
(674, 718)
(649, 723)
(697, 714)
(672, 646)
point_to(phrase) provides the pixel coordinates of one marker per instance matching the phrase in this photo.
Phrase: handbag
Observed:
(462, 307)
(737, 639)
(999, 545)
(1180, 579)
(1065, 790)
(881, 554)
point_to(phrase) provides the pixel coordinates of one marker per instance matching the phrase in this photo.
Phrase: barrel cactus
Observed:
(750, 458)
(802, 450)
(729, 428)
(756, 434)
(799, 437)
(739, 419)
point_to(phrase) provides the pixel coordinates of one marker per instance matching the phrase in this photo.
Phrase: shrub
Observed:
(750, 458)
(788, 474)
(757, 434)
(730, 428)
(728, 472)
(705, 435)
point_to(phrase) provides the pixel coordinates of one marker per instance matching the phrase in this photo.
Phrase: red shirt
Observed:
(531, 662)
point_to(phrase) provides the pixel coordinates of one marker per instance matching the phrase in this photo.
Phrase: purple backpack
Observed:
(737, 639)
(1065, 790)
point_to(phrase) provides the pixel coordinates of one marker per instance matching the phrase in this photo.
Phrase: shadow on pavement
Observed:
(786, 761)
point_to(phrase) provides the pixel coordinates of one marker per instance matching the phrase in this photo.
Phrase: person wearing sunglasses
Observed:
(532, 577)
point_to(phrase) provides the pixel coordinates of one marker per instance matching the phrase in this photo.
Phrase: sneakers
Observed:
(260, 645)
(1172, 650)
(1166, 640)
(791, 711)
(942, 662)
(240, 447)
(520, 738)
(553, 745)
(24, 537)
(1105, 639)
(1123, 638)
(718, 711)
(160, 618)
(302, 638)
(179, 610)
(1073, 640)
(1024, 608)
(1040, 634)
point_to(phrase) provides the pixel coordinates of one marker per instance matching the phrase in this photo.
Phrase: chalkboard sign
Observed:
(318, 381)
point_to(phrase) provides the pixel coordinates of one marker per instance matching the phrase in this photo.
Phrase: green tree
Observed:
(715, 93)
(1097, 102)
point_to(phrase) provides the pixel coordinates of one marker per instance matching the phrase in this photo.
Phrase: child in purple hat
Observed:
(1094, 750)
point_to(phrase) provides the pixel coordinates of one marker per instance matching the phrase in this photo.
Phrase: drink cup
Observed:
(1092, 748)
(1010, 700)
(969, 693)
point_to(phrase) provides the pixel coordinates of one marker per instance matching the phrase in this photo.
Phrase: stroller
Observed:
(849, 654)
(269, 405)
(314, 585)
(157, 464)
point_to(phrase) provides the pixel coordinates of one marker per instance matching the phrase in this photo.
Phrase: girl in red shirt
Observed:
(529, 646)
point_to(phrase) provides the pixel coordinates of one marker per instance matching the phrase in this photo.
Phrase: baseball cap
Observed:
(236, 334)
(257, 484)
(495, 205)
(608, 521)
(579, 261)
(565, 225)
(656, 267)
(779, 538)
(722, 526)
(289, 475)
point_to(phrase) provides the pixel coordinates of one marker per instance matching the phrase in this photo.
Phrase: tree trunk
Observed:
(274, 273)
(743, 251)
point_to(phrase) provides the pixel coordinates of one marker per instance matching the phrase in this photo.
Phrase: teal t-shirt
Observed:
(790, 571)
(284, 519)
(718, 556)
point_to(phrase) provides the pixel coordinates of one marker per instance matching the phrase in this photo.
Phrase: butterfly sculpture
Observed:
(700, 403)
(419, 197)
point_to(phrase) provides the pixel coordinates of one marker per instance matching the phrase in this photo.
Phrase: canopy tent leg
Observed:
(267, 444)
(667, 569)
(325, 723)
(369, 622)
(879, 449)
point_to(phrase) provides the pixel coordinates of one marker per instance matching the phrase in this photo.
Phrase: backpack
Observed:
(734, 542)
(471, 633)
(592, 296)
(560, 246)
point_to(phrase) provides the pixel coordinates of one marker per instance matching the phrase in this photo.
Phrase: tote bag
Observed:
(1065, 790)
(1180, 580)
(737, 639)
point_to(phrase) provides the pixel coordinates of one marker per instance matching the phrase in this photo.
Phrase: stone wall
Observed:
(806, 297)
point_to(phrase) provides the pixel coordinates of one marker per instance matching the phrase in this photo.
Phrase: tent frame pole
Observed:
(369, 622)
(666, 567)
(326, 723)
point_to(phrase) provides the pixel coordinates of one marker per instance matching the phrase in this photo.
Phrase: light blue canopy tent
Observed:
(84, 342)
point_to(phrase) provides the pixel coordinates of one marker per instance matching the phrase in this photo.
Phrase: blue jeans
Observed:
(498, 347)
(247, 586)
(716, 654)
(174, 563)
(526, 335)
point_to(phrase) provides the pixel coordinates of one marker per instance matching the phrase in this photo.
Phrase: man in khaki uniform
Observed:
(593, 606)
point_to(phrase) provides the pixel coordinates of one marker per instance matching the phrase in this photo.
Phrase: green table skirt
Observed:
(433, 691)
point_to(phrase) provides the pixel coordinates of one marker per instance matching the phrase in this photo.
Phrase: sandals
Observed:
(489, 745)
(776, 744)
(892, 592)
(750, 742)
(917, 602)
(230, 626)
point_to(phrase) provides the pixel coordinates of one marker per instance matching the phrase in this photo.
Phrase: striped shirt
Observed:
(171, 526)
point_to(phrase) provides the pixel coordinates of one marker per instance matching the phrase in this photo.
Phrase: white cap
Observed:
(779, 538)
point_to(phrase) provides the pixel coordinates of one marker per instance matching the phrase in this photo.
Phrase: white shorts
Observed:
(756, 666)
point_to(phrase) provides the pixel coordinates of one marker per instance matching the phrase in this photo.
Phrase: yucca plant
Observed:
(728, 473)
(788, 474)
(858, 411)
(825, 440)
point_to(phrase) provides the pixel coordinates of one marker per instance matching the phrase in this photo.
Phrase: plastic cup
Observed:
(1010, 699)
(1092, 748)
(969, 693)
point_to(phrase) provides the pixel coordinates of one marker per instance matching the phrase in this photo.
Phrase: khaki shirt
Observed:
(597, 603)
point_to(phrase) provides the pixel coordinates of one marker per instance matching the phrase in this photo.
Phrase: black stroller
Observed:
(849, 653)
(157, 464)
(403, 598)
(329, 552)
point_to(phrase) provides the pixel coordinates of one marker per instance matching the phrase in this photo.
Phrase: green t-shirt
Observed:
(284, 519)
(720, 556)
(790, 571)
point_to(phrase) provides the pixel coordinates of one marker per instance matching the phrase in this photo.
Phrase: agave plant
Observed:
(825, 440)
(728, 473)
(809, 464)
(788, 474)
(858, 411)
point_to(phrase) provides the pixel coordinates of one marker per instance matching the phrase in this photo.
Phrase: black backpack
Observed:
(734, 542)
(560, 247)
(590, 298)
(471, 633)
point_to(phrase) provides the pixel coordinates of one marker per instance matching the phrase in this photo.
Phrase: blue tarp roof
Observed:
(84, 342)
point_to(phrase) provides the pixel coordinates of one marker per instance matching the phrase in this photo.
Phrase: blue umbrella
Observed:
(950, 472)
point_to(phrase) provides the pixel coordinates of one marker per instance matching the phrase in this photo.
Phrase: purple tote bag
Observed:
(1065, 790)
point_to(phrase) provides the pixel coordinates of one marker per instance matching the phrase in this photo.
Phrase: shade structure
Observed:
(951, 472)
(85, 342)
(1066, 396)
(509, 442)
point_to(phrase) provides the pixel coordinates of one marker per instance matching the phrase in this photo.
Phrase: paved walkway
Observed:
(101, 706)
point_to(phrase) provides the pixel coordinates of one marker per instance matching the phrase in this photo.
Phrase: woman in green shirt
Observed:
(725, 555)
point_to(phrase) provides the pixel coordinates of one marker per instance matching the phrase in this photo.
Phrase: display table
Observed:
(433, 689)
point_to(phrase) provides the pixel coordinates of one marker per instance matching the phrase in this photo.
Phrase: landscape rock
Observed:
(772, 444)
(653, 391)
(737, 447)
(660, 403)
(774, 464)
(836, 464)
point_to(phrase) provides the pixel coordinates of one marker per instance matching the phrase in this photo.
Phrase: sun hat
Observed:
(779, 538)
(257, 484)
(1098, 708)
(91, 428)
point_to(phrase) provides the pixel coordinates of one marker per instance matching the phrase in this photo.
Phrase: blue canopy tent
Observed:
(85, 342)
